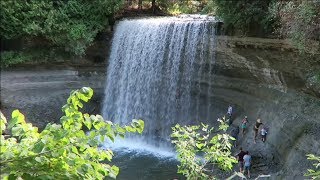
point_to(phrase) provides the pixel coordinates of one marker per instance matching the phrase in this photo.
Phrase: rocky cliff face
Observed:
(262, 78)
(40, 92)
(268, 79)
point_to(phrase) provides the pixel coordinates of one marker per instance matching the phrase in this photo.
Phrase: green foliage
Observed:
(299, 21)
(243, 15)
(72, 24)
(172, 7)
(314, 173)
(63, 151)
(32, 55)
(184, 7)
(209, 8)
(199, 148)
(9, 58)
(318, 76)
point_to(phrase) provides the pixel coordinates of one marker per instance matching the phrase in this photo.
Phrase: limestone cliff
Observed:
(269, 79)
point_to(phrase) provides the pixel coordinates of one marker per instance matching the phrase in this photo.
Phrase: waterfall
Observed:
(156, 71)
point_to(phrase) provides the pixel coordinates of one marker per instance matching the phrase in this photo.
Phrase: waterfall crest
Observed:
(155, 73)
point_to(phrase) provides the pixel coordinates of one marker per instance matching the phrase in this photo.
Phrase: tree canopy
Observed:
(243, 15)
(299, 21)
(72, 24)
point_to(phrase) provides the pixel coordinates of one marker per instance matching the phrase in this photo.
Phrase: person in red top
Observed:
(240, 158)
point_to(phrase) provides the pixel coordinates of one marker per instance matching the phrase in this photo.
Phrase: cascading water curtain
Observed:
(156, 72)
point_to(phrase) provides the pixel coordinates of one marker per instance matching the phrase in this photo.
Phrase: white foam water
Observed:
(154, 73)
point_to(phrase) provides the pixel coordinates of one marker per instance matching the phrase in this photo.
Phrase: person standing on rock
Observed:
(256, 129)
(263, 134)
(234, 133)
(229, 112)
(247, 163)
(244, 125)
(240, 156)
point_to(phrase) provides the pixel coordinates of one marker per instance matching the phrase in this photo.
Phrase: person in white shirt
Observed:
(263, 132)
(229, 112)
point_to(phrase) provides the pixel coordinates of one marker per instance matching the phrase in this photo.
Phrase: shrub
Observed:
(9, 58)
(199, 148)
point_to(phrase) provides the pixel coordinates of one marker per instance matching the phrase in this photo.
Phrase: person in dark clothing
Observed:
(256, 129)
(240, 156)
(111, 21)
(234, 133)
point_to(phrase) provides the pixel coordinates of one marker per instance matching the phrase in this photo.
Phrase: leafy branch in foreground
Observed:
(314, 173)
(198, 150)
(63, 151)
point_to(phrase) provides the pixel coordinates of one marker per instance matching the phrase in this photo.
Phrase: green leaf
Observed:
(111, 135)
(199, 145)
(27, 176)
(75, 150)
(98, 125)
(3, 122)
(17, 118)
(130, 129)
(87, 92)
(80, 105)
(3, 118)
(38, 159)
(12, 177)
(114, 172)
(17, 131)
(139, 125)
(102, 138)
(16, 114)
(38, 147)
(88, 123)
